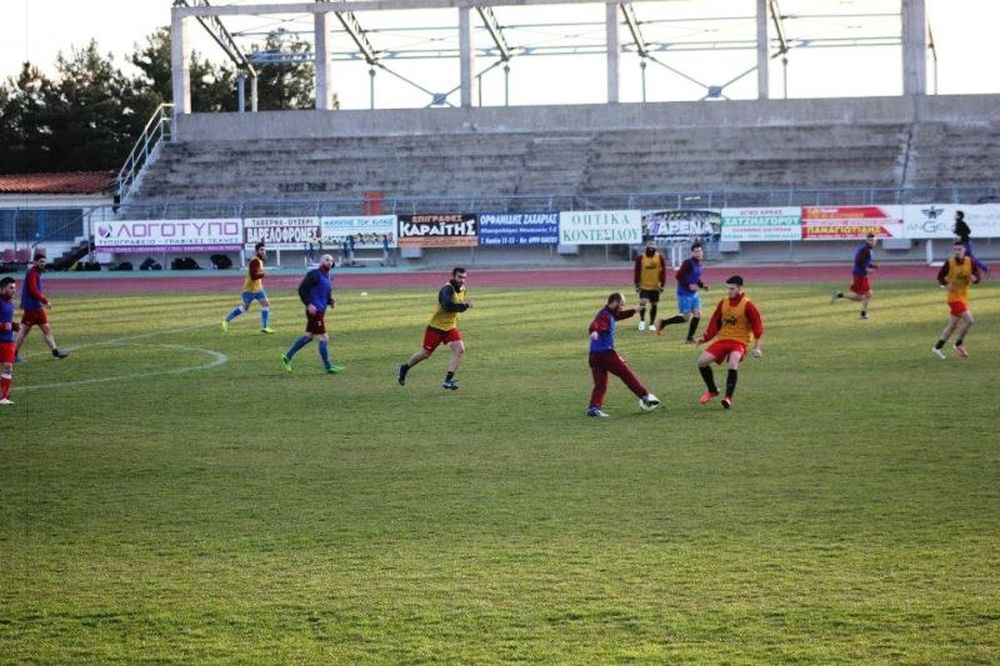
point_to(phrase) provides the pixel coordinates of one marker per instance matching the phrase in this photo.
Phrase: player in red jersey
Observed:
(33, 306)
(733, 323)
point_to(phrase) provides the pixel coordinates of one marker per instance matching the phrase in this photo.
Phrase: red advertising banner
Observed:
(851, 222)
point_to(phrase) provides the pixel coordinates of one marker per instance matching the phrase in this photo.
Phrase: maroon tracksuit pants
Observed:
(601, 363)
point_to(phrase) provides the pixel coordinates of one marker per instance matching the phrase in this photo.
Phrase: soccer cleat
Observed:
(596, 412)
(937, 352)
(960, 350)
(863, 315)
(334, 368)
(836, 295)
(5, 401)
(450, 385)
(658, 328)
(649, 402)
(707, 397)
(287, 362)
(267, 330)
(690, 341)
(58, 353)
(727, 402)
(225, 325)
(401, 374)
(642, 326)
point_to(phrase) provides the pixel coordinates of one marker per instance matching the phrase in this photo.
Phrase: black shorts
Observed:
(651, 295)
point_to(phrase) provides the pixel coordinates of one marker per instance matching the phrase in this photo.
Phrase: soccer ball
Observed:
(654, 402)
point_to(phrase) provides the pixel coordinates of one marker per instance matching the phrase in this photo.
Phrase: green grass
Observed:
(847, 511)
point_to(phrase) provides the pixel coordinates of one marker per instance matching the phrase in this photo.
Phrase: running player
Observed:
(649, 276)
(33, 306)
(604, 359)
(316, 293)
(956, 275)
(253, 290)
(734, 321)
(443, 329)
(7, 329)
(861, 288)
(688, 300)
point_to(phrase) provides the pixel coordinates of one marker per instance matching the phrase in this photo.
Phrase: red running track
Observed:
(617, 277)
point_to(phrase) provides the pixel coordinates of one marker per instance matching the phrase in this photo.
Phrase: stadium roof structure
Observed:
(667, 41)
(71, 182)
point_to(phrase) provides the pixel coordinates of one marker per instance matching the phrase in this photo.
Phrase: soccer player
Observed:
(7, 329)
(688, 300)
(964, 233)
(604, 358)
(734, 321)
(650, 276)
(861, 288)
(316, 293)
(956, 275)
(443, 329)
(33, 306)
(253, 290)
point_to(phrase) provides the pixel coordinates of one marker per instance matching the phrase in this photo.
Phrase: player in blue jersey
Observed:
(861, 288)
(253, 290)
(964, 233)
(8, 327)
(604, 359)
(688, 300)
(316, 293)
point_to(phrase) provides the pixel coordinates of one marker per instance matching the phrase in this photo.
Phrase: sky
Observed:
(964, 33)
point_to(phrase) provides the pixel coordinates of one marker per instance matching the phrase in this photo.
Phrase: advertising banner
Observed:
(124, 236)
(936, 220)
(851, 222)
(370, 232)
(600, 227)
(510, 229)
(762, 224)
(438, 230)
(281, 233)
(681, 223)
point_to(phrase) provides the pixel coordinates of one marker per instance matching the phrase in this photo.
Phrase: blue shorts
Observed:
(251, 296)
(688, 303)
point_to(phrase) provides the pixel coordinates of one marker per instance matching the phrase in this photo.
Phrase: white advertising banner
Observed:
(936, 220)
(682, 224)
(370, 232)
(169, 235)
(281, 233)
(600, 227)
(762, 224)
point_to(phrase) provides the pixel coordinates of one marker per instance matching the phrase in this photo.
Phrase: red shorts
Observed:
(315, 324)
(721, 349)
(861, 286)
(435, 336)
(958, 308)
(7, 352)
(33, 317)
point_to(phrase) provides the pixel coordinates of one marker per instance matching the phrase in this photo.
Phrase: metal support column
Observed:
(914, 47)
(324, 69)
(179, 62)
(763, 55)
(614, 50)
(466, 56)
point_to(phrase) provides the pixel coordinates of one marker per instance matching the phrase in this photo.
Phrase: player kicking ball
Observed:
(733, 323)
(604, 359)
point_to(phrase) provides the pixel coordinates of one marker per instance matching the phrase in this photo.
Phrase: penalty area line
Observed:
(217, 359)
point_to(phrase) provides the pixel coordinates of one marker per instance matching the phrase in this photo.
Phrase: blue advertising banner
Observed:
(508, 229)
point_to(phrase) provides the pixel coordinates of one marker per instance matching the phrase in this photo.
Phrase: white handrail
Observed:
(158, 128)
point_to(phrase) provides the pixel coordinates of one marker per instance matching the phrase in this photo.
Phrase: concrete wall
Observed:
(753, 113)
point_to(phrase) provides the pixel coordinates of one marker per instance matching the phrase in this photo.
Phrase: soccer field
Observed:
(170, 493)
